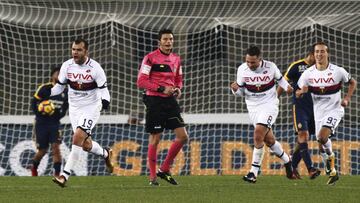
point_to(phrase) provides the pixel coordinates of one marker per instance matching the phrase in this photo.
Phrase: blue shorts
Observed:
(303, 118)
(46, 134)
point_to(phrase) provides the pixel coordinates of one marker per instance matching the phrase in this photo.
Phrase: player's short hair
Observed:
(321, 43)
(56, 69)
(253, 51)
(164, 31)
(310, 50)
(81, 40)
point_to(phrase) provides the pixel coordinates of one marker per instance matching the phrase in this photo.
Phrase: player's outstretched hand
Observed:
(345, 102)
(234, 86)
(105, 104)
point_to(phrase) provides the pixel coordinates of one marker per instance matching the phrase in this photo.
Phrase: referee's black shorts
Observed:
(162, 113)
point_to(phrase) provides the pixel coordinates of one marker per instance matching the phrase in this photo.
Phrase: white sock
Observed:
(278, 150)
(98, 150)
(71, 161)
(257, 157)
(328, 147)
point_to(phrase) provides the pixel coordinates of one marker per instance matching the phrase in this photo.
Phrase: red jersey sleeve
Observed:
(179, 77)
(143, 80)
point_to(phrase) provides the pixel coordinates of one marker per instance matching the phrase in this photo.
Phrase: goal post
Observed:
(211, 37)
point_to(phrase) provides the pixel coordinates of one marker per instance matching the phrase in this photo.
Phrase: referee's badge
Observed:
(299, 125)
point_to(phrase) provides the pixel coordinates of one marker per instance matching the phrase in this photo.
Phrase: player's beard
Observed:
(81, 60)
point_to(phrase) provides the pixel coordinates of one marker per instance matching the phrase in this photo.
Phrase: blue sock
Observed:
(296, 156)
(305, 155)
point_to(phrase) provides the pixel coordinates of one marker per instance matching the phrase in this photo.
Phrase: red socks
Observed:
(173, 151)
(152, 155)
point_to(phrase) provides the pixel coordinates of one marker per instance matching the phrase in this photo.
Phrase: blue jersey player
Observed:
(303, 116)
(46, 127)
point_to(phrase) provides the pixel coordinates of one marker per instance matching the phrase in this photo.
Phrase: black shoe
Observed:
(296, 174)
(153, 183)
(334, 176)
(61, 180)
(166, 176)
(289, 171)
(314, 173)
(250, 177)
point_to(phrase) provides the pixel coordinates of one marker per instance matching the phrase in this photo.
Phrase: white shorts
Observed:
(84, 117)
(263, 117)
(330, 120)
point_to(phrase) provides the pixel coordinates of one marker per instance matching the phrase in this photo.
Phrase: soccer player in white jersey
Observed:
(324, 81)
(256, 81)
(88, 95)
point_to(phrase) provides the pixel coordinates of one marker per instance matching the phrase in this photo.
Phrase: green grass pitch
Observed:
(191, 189)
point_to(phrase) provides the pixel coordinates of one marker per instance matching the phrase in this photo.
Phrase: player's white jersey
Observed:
(259, 86)
(325, 87)
(83, 81)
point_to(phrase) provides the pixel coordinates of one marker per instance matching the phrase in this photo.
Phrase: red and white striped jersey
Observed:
(325, 87)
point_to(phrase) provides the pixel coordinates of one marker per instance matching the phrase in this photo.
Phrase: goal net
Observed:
(210, 37)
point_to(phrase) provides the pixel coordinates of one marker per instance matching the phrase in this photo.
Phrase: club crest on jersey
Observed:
(80, 85)
(322, 90)
(257, 79)
(258, 87)
(329, 74)
(265, 72)
(88, 71)
(79, 76)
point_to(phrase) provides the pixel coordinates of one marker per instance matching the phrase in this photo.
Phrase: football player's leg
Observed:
(277, 149)
(303, 138)
(297, 121)
(177, 124)
(55, 148)
(42, 147)
(154, 140)
(55, 140)
(76, 149)
(36, 161)
(155, 124)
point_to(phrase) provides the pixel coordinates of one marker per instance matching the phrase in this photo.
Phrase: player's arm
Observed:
(282, 82)
(178, 81)
(64, 106)
(237, 87)
(302, 84)
(346, 77)
(34, 106)
(58, 87)
(287, 76)
(143, 80)
(62, 81)
(37, 98)
(103, 88)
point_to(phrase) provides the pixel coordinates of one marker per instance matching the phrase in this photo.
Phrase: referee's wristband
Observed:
(160, 89)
